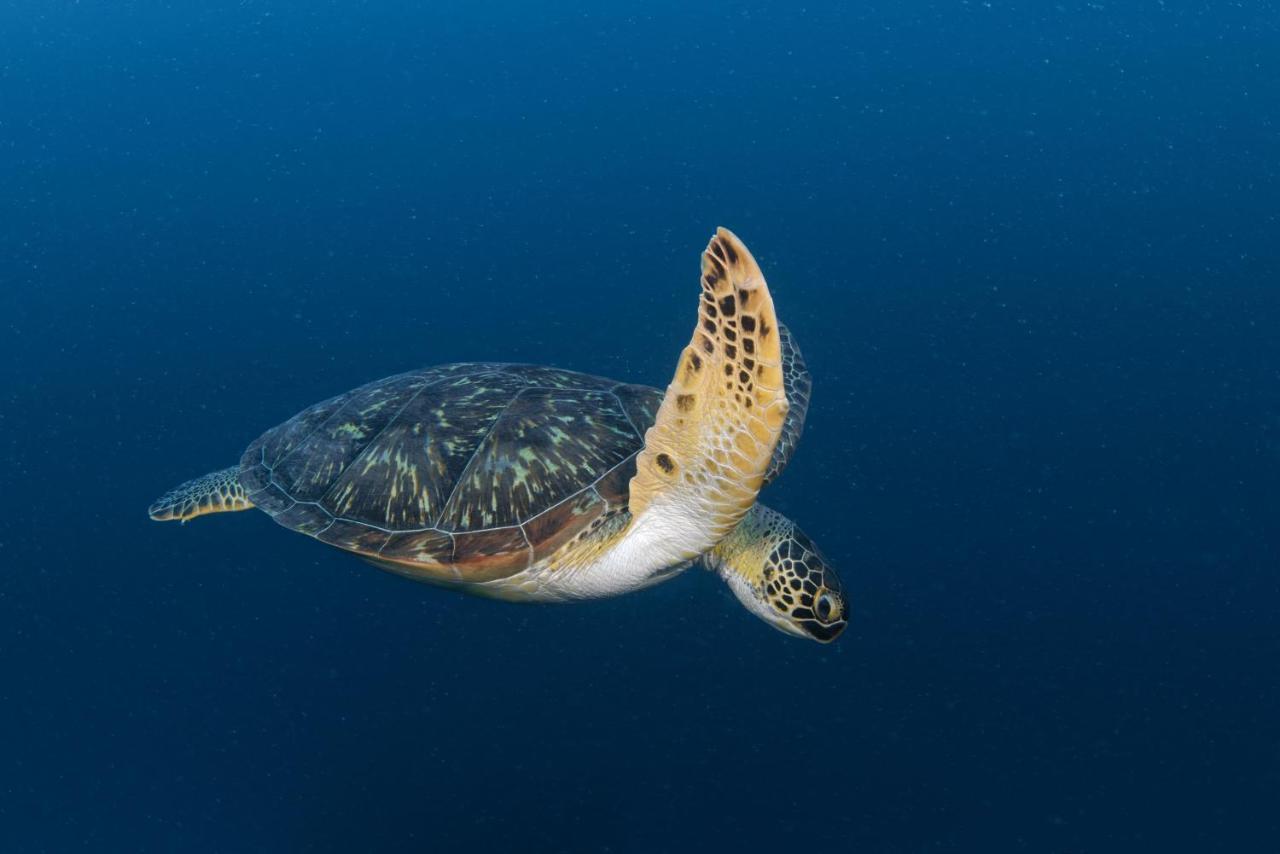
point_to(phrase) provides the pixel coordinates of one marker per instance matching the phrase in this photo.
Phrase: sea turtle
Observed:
(531, 483)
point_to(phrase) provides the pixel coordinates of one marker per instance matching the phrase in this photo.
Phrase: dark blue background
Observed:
(1030, 251)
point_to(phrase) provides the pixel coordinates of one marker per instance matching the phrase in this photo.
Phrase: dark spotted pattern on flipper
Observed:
(217, 492)
(798, 385)
(707, 452)
(462, 472)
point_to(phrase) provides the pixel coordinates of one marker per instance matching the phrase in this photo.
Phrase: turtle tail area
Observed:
(217, 492)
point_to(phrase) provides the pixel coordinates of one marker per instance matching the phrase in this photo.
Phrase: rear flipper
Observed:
(218, 492)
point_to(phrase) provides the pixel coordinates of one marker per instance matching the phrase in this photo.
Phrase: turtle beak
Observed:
(823, 633)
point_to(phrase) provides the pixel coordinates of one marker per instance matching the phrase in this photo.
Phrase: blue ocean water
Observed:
(1029, 251)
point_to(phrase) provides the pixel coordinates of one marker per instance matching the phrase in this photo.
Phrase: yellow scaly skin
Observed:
(779, 575)
(706, 455)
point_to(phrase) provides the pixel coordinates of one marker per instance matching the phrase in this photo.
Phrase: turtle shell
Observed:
(474, 471)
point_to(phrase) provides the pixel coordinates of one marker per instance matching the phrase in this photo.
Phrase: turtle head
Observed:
(779, 575)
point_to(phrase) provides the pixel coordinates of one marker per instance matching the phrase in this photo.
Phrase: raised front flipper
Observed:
(706, 455)
(216, 492)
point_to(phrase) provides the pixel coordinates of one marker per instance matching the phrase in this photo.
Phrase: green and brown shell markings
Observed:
(483, 468)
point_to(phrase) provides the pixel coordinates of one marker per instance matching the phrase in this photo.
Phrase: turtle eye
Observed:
(824, 607)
